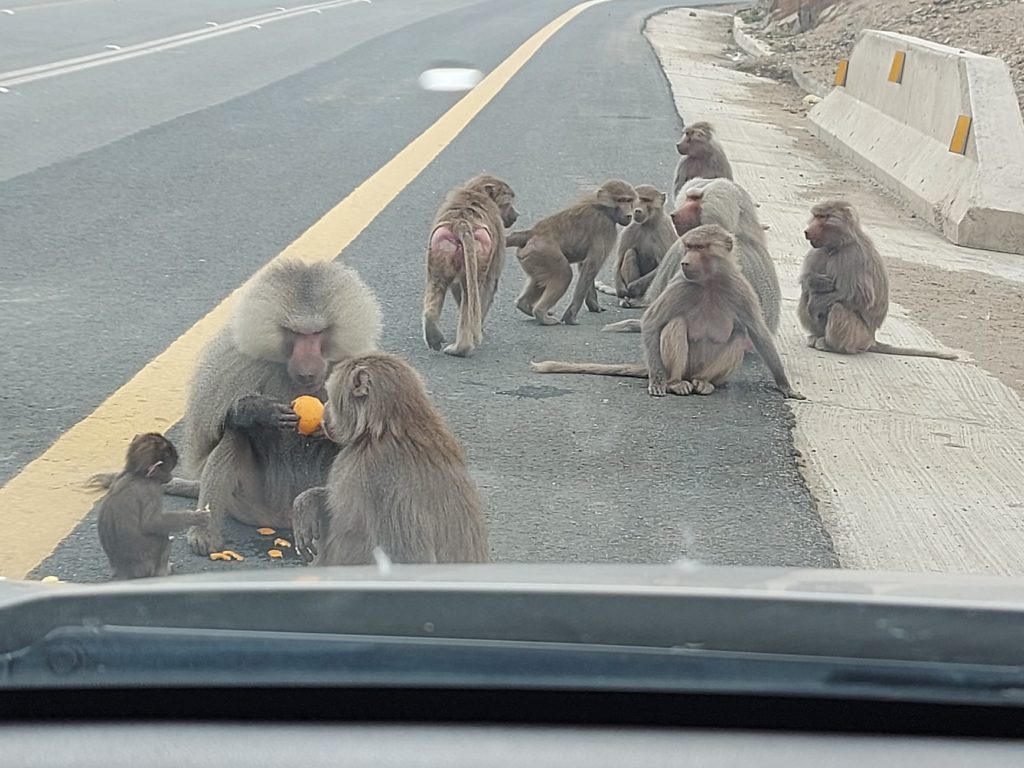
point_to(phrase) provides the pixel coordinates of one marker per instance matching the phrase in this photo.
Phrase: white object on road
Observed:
(112, 47)
(450, 79)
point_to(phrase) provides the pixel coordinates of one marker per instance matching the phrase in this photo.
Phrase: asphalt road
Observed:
(134, 196)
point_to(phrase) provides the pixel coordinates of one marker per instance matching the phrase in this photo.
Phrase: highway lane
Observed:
(127, 245)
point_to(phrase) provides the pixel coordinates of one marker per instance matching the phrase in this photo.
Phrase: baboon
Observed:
(466, 252)
(133, 526)
(642, 245)
(291, 324)
(400, 482)
(727, 204)
(582, 234)
(844, 287)
(695, 333)
(702, 156)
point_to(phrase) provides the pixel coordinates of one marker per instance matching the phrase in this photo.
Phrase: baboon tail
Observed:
(624, 326)
(471, 297)
(599, 369)
(518, 239)
(889, 349)
(101, 480)
(605, 288)
(179, 486)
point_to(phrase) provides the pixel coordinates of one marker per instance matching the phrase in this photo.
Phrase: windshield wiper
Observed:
(118, 656)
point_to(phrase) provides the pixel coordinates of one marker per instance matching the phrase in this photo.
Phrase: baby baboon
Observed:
(727, 204)
(702, 156)
(844, 288)
(642, 245)
(695, 333)
(467, 253)
(582, 234)
(291, 324)
(400, 482)
(133, 526)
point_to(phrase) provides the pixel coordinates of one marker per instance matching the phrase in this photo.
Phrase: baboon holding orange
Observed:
(399, 483)
(466, 253)
(582, 234)
(695, 333)
(133, 527)
(291, 325)
(702, 156)
(844, 286)
(642, 245)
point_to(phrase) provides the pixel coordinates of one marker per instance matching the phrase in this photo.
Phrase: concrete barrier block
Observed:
(897, 124)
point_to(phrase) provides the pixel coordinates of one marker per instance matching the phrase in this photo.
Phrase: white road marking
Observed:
(77, 64)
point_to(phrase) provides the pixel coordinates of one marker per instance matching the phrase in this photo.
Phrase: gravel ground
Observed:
(990, 27)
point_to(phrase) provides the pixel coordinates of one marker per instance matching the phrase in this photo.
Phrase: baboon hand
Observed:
(822, 283)
(305, 529)
(204, 539)
(657, 388)
(569, 317)
(261, 411)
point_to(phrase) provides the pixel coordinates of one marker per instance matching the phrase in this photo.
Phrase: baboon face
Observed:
(620, 198)
(693, 139)
(649, 201)
(829, 221)
(307, 366)
(705, 247)
(687, 215)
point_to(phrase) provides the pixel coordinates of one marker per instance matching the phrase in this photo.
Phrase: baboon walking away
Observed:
(642, 246)
(844, 286)
(290, 326)
(134, 529)
(466, 253)
(400, 482)
(582, 234)
(695, 333)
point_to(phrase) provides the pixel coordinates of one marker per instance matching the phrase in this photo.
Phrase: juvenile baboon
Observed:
(582, 234)
(702, 156)
(133, 526)
(466, 252)
(291, 324)
(400, 481)
(727, 204)
(844, 287)
(642, 245)
(695, 333)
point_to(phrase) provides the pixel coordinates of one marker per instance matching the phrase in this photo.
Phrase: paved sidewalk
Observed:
(917, 464)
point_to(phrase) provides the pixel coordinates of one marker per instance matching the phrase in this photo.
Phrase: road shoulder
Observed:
(915, 463)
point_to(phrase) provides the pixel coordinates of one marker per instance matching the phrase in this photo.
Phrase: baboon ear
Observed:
(491, 189)
(605, 198)
(727, 241)
(360, 382)
(661, 199)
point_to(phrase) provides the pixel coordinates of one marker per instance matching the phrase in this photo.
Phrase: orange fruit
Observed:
(310, 411)
(275, 553)
(266, 531)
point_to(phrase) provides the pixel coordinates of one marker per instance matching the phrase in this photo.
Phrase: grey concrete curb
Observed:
(754, 47)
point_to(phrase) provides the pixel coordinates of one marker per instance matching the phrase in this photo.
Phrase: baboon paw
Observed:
(681, 388)
(456, 351)
(203, 541)
(524, 307)
(547, 320)
(792, 394)
(812, 341)
(434, 339)
(569, 318)
(656, 389)
(702, 387)
(820, 344)
(597, 308)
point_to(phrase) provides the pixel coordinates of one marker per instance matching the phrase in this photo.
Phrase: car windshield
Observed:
(447, 282)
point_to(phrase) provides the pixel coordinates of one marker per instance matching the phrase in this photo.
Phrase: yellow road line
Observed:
(42, 504)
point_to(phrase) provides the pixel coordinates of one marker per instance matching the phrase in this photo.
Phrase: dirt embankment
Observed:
(989, 27)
